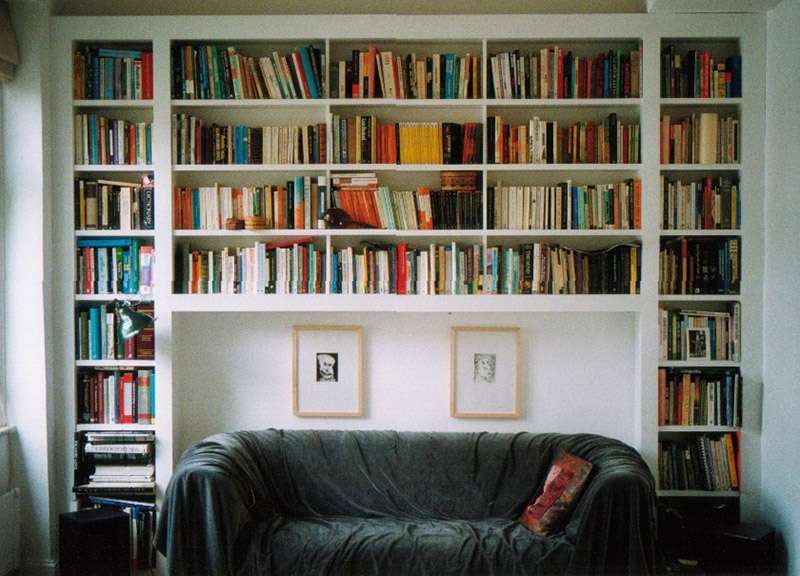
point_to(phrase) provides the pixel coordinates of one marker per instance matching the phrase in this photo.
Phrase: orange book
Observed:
(733, 462)
(662, 391)
(637, 204)
(127, 392)
(371, 72)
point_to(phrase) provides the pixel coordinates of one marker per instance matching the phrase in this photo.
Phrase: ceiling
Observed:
(233, 7)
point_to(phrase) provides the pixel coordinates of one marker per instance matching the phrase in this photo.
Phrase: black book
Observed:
(550, 159)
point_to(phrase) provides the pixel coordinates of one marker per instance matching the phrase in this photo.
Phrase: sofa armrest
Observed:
(209, 499)
(614, 525)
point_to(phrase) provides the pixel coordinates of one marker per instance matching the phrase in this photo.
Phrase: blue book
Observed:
(94, 333)
(119, 53)
(605, 77)
(94, 89)
(148, 137)
(309, 71)
(196, 208)
(134, 256)
(108, 80)
(104, 242)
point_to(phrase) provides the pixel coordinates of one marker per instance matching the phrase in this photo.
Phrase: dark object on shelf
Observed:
(397, 498)
(234, 224)
(336, 218)
(745, 548)
(94, 542)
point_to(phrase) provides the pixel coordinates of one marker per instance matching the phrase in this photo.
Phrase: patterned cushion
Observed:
(563, 486)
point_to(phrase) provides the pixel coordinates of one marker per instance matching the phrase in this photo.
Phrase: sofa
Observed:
(308, 502)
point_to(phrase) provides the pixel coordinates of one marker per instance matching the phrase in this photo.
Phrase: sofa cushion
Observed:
(347, 545)
(565, 482)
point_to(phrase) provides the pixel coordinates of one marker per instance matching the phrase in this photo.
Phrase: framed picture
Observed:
(327, 374)
(697, 344)
(485, 372)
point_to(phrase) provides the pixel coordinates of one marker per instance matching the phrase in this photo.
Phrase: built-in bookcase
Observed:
(733, 188)
(701, 400)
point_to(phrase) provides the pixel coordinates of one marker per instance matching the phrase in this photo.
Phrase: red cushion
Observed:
(563, 485)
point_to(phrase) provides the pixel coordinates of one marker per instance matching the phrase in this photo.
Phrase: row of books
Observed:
(700, 334)
(536, 268)
(372, 73)
(699, 463)
(693, 398)
(114, 266)
(566, 206)
(374, 206)
(699, 266)
(707, 204)
(141, 528)
(114, 205)
(363, 140)
(114, 448)
(99, 334)
(278, 268)
(101, 140)
(300, 204)
(545, 142)
(207, 71)
(554, 73)
(697, 74)
(124, 396)
(705, 138)
(196, 142)
(112, 74)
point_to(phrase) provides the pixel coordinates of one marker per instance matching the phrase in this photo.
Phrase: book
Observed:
(103, 73)
(699, 398)
(698, 74)
(198, 142)
(103, 140)
(701, 462)
(706, 204)
(724, 333)
(111, 266)
(705, 138)
(699, 266)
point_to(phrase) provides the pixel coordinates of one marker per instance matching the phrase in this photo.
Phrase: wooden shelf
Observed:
(115, 427)
(697, 429)
(112, 103)
(113, 168)
(406, 303)
(697, 494)
(678, 233)
(115, 363)
(699, 363)
(114, 233)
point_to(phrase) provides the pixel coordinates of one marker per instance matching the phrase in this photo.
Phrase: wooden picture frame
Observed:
(327, 371)
(481, 357)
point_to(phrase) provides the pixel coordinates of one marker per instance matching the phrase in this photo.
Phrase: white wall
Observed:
(232, 371)
(780, 499)
(26, 183)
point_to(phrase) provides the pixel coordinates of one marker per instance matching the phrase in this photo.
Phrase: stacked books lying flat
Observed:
(142, 528)
(196, 142)
(296, 267)
(111, 396)
(99, 335)
(114, 265)
(382, 74)
(216, 72)
(699, 463)
(112, 74)
(697, 74)
(556, 73)
(545, 142)
(700, 335)
(699, 266)
(299, 204)
(565, 206)
(705, 138)
(363, 140)
(101, 140)
(130, 456)
(692, 398)
(450, 269)
(114, 205)
(371, 205)
(708, 204)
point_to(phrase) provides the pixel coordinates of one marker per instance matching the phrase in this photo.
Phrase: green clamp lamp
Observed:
(131, 321)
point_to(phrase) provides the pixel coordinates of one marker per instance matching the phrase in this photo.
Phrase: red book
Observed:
(372, 54)
(708, 202)
(560, 72)
(147, 75)
(301, 74)
(127, 395)
(396, 75)
(662, 387)
(400, 268)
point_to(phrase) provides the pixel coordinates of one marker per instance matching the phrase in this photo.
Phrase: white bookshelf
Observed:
(484, 33)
